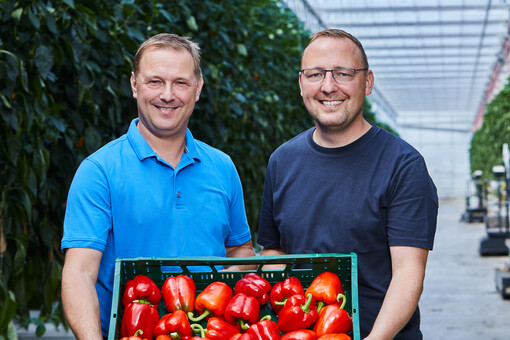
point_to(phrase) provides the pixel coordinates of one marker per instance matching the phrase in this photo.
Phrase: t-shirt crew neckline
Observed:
(341, 149)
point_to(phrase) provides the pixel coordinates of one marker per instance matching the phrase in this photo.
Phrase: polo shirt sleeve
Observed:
(88, 217)
(412, 212)
(239, 228)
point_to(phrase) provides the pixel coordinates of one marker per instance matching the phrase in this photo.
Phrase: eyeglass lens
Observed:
(317, 75)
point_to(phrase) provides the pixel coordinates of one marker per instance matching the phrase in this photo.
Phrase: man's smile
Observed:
(331, 102)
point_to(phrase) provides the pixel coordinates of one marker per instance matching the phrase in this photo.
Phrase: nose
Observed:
(328, 84)
(167, 93)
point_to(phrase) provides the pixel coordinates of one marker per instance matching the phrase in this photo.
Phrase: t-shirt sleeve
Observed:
(239, 228)
(268, 234)
(412, 211)
(88, 217)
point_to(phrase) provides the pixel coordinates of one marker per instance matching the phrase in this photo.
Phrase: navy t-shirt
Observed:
(363, 197)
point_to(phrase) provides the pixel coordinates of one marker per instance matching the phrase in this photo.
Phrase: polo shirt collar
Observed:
(143, 150)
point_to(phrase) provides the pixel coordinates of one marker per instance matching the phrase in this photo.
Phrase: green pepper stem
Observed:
(306, 306)
(266, 317)
(143, 301)
(138, 332)
(200, 317)
(320, 304)
(198, 328)
(244, 325)
(280, 303)
(343, 297)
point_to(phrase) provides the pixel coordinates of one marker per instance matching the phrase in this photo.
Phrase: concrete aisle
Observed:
(460, 300)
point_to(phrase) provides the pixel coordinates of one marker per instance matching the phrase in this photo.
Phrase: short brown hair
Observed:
(339, 34)
(171, 41)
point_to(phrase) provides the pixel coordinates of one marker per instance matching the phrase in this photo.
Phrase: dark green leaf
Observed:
(14, 148)
(51, 24)
(86, 76)
(70, 3)
(12, 65)
(6, 102)
(44, 60)
(40, 330)
(21, 252)
(58, 124)
(32, 17)
(31, 183)
(92, 139)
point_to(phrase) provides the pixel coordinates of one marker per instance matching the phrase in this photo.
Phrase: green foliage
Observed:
(370, 117)
(487, 142)
(64, 92)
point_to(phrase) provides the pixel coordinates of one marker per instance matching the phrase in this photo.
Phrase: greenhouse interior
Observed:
(441, 72)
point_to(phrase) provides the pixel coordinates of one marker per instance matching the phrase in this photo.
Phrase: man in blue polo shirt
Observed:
(155, 191)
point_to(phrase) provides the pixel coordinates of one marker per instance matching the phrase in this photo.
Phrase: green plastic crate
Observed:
(204, 270)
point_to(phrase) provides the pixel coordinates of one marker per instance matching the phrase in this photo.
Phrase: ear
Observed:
(300, 86)
(369, 82)
(199, 88)
(132, 80)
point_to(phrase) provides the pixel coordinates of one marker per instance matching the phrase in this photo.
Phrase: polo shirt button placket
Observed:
(179, 200)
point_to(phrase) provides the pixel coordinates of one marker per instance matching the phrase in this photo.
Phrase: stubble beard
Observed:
(341, 124)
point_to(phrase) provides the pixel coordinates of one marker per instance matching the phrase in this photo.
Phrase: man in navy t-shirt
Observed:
(349, 186)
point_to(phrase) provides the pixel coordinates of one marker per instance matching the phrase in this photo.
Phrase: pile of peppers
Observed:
(219, 312)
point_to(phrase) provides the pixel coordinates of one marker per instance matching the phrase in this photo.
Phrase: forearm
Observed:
(399, 305)
(404, 291)
(243, 250)
(79, 299)
(81, 306)
(273, 252)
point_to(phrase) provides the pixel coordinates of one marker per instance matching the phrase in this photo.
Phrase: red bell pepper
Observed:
(218, 329)
(333, 319)
(139, 316)
(300, 334)
(254, 285)
(299, 312)
(243, 310)
(326, 289)
(283, 290)
(135, 336)
(141, 289)
(264, 330)
(243, 336)
(340, 336)
(212, 301)
(175, 325)
(179, 293)
(168, 337)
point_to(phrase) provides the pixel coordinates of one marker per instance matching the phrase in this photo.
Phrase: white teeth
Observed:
(166, 108)
(334, 102)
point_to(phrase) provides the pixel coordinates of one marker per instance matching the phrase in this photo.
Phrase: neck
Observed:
(169, 148)
(334, 138)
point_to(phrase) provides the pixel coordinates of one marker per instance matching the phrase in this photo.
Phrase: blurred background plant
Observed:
(487, 143)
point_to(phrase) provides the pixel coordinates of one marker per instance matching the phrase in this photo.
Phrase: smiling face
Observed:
(166, 89)
(336, 108)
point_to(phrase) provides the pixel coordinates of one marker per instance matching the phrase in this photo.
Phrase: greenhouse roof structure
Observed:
(436, 63)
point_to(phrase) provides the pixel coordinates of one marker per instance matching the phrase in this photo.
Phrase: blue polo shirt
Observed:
(126, 201)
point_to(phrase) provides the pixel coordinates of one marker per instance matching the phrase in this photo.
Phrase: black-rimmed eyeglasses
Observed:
(340, 74)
